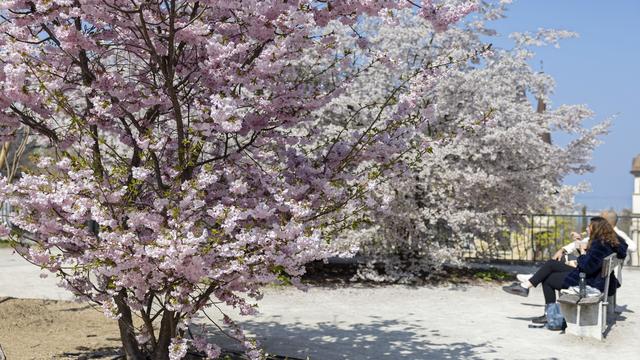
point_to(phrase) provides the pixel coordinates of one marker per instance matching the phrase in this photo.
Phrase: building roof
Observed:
(635, 166)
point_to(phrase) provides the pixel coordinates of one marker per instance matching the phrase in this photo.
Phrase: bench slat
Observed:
(591, 300)
(569, 299)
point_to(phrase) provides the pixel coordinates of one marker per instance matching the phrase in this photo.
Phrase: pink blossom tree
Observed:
(189, 165)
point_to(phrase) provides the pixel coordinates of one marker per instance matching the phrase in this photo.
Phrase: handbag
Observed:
(575, 290)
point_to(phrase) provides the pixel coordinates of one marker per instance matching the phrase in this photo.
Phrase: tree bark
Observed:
(168, 327)
(3, 154)
(125, 324)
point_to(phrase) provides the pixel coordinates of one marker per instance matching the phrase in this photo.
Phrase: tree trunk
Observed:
(168, 327)
(127, 333)
(3, 153)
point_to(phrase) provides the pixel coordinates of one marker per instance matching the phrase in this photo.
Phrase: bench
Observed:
(590, 316)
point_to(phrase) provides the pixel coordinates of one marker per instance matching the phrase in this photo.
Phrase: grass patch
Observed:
(5, 244)
(493, 274)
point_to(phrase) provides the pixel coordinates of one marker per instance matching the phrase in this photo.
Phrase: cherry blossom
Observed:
(186, 163)
(484, 159)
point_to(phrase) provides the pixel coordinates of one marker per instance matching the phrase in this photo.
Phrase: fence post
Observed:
(533, 243)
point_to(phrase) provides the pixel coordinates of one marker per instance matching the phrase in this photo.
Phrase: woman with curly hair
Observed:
(555, 275)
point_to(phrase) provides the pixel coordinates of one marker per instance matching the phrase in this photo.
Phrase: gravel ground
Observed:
(375, 322)
(49, 329)
(457, 322)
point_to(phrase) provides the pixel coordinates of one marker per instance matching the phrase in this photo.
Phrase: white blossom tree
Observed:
(490, 159)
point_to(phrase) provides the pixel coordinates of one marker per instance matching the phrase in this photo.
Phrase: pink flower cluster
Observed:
(183, 160)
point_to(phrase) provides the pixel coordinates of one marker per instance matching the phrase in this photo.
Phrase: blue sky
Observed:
(600, 69)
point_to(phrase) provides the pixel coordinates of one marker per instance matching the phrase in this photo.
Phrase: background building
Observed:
(634, 230)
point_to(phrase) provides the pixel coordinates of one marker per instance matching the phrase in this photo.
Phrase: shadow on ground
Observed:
(377, 339)
(81, 352)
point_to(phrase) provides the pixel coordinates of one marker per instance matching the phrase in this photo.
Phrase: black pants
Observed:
(551, 275)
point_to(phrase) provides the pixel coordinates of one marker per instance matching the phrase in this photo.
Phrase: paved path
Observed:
(398, 322)
(20, 279)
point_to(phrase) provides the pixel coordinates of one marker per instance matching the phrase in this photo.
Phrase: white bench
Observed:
(590, 316)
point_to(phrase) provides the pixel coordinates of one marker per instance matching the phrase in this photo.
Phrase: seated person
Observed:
(572, 248)
(612, 219)
(555, 275)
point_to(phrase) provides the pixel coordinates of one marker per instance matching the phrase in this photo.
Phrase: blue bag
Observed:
(555, 320)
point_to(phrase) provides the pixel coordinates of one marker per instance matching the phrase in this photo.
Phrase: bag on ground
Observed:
(555, 320)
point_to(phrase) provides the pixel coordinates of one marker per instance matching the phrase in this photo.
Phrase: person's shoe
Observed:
(524, 277)
(516, 289)
(540, 319)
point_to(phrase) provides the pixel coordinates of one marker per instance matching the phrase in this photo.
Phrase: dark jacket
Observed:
(591, 264)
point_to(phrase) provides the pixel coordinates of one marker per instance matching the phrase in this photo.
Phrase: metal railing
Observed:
(536, 238)
(539, 237)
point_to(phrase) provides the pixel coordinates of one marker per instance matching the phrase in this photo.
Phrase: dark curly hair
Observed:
(603, 231)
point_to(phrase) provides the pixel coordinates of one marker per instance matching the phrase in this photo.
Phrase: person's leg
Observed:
(553, 282)
(523, 277)
(548, 268)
